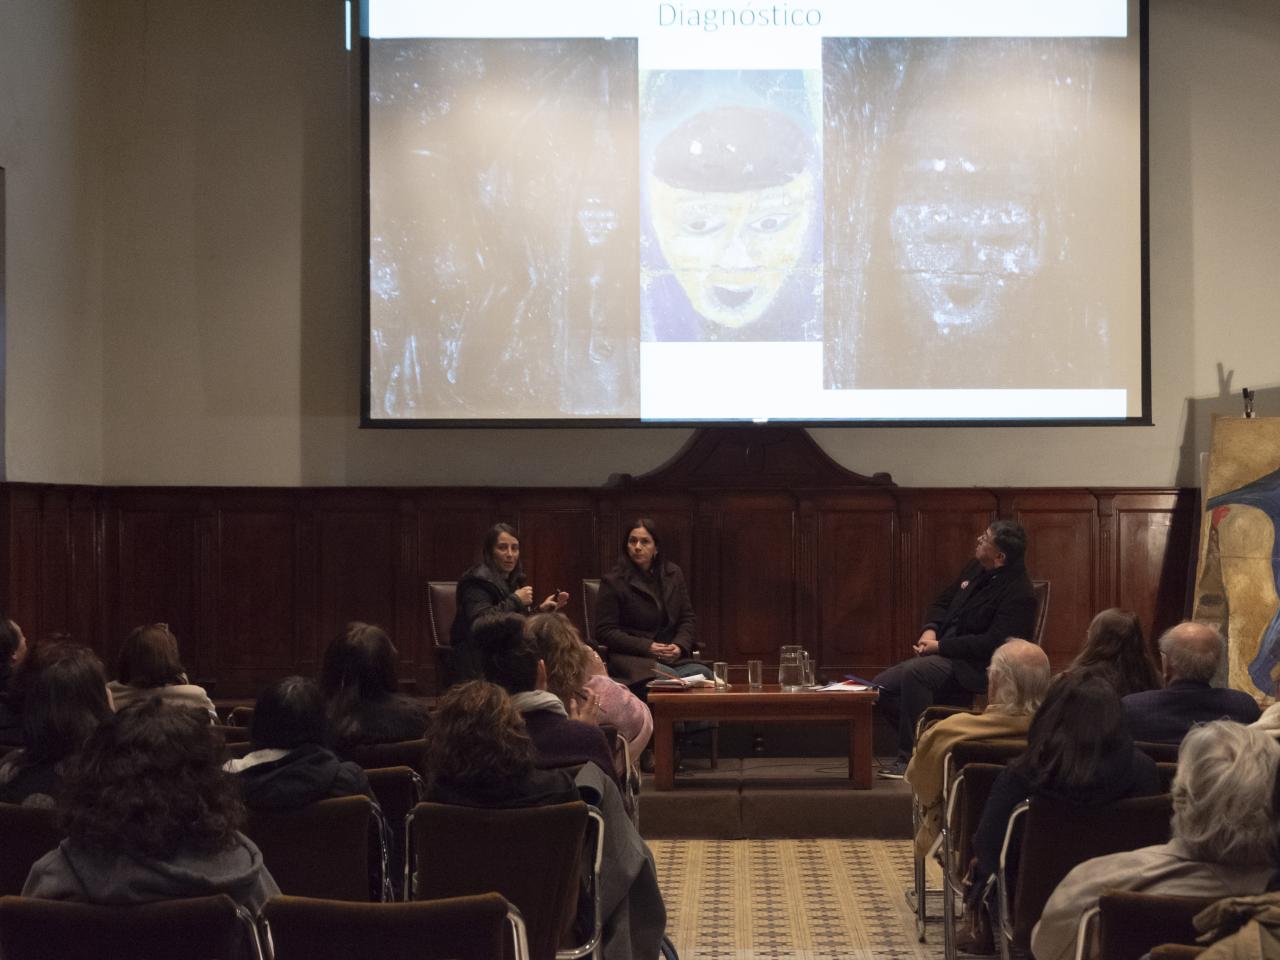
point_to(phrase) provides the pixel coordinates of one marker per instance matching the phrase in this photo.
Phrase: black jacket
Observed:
(1165, 716)
(977, 613)
(481, 590)
(302, 776)
(634, 610)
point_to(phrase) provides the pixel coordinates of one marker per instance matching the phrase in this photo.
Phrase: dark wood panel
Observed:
(856, 557)
(156, 574)
(1061, 534)
(358, 553)
(1154, 540)
(256, 626)
(558, 547)
(757, 581)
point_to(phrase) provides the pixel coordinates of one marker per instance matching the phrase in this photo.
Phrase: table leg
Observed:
(664, 760)
(860, 750)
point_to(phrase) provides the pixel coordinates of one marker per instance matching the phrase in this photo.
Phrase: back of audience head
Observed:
(1222, 793)
(1114, 645)
(289, 714)
(13, 649)
(359, 664)
(1080, 724)
(149, 658)
(560, 646)
(477, 741)
(509, 657)
(1018, 676)
(149, 782)
(1192, 651)
(65, 699)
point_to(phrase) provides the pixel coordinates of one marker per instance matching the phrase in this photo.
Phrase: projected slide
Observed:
(669, 212)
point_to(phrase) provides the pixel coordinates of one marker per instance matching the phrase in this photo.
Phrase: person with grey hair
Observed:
(991, 601)
(1192, 655)
(1016, 683)
(1223, 836)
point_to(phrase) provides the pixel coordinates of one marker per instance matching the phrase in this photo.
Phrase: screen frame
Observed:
(358, 30)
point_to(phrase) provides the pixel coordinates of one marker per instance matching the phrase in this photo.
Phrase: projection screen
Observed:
(923, 211)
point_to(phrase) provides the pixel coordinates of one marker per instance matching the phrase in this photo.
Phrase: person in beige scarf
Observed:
(1017, 680)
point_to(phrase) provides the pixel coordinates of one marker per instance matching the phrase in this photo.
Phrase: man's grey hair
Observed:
(1222, 793)
(1193, 651)
(1022, 671)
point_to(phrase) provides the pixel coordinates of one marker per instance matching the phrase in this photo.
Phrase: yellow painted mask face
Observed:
(732, 252)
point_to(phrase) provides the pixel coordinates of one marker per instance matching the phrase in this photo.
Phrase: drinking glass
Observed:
(755, 674)
(809, 671)
(720, 670)
(791, 668)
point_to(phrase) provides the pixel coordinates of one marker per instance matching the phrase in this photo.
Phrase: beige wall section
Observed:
(229, 275)
(50, 149)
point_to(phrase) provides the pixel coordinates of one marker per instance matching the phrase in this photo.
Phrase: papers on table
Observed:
(843, 685)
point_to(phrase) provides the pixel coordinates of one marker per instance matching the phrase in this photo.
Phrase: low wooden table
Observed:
(767, 705)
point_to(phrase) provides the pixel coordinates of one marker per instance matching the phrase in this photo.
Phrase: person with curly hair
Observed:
(1115, 650)
(64, 699)
(479, 753)
(576, 674)
(149, 666)
(150, 815)
(363, 702)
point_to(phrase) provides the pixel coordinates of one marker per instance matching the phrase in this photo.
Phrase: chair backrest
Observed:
(984, 751)
(206, 927)
(240, 716)
(399, 753)
(26, 835)
(442, 607)
(465, 928)
(590, 594)
(970, 791)
(1166, 772)
(1041, 589)
(530, 855)
(1159, 752)
(321, 850)
(1133, 923)
(398, 790)
(1057, 836)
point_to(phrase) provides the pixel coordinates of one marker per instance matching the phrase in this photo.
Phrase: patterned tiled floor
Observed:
(790, 899)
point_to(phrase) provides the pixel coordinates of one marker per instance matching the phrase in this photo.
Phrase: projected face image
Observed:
(960, 245)
(732, 252)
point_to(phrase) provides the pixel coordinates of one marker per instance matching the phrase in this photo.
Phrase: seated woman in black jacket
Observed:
(495, 585)
(1078, 750)
(643, 613)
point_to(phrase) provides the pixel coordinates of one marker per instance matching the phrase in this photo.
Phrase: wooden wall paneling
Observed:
(857, 558)
(705, 581)
(1155, 537)
(23, 588)
(756, 573)
(451, 529)
(258, 635)
(946, 524)
(674, 514)
(157, 566)
(558, 543)
(804, 630)
(1061, 530)
(87, 620)
(55, 565)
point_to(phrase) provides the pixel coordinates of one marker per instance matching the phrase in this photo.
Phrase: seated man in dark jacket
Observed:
(290, 767)
(1191, 655)
(511, 661)
(991, 601)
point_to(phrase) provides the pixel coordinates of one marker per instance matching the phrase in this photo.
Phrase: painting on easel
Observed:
(1238, 580)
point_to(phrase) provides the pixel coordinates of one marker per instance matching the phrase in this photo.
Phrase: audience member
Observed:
(149, 666)
(1115, 649)
(1016, 682)
(64, 700)
(151, 816)
(1223, 836)
(511, 661)
(576, 675)
(1192, 655)
(358, 680)
(289, 766)
(991, 601)
(479, 753)
(13, 650)
(1078, 750)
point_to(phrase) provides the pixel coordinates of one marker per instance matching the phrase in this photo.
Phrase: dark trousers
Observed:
(913, 685)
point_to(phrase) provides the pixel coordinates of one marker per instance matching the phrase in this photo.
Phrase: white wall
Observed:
(229, 289)
(51, 151)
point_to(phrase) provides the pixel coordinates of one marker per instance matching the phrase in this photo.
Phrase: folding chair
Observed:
(399, 753)
(533, 856)
(212, 928)
(965, 802)
(398, 790)
(458, 928)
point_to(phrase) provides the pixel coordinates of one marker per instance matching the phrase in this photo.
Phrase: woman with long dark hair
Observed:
(1115, 650)
(358, 680)
(149, 666)
(643, 613)
(13, 650)
(150, 815)
(494, 585)
(64, 699)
